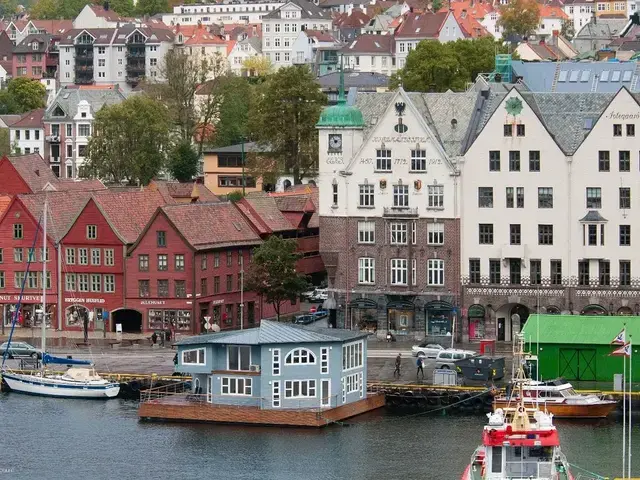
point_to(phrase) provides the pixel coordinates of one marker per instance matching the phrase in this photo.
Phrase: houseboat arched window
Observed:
(300, 356)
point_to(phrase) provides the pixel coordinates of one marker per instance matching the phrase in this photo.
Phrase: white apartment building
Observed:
(580, 12)
(548, 195)
(280, 29)
(370, 53)
(227, 12)
(113, 56)
(389, 210)
(27, 134)
(241, 51)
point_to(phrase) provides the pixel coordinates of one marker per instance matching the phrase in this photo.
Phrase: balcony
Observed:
(135, 54)
(52, 138)
(84, 55)
(84, 81)
(400, 212)
(135, 69)
(84, 68)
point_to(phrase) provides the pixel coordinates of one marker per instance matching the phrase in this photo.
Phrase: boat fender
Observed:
(494, 391)
(478, 402)
(455, 399)
(488, 401)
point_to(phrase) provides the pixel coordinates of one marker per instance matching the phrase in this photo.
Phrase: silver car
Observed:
(20, 349)
(446, 358)
(428, 350)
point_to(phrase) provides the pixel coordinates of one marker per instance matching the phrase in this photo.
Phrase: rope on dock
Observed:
(595, 476)
(444, 407)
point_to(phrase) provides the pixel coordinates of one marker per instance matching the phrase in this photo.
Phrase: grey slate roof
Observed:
(255, 42)
(354, 79)
(603, 28)
(270, 332)
(577, 76)
(25, 46)
(593, 216)
(68, 99)
(437, 109)
(308, 10)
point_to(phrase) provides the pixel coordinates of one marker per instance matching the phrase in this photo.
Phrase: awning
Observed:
(439, 305)
(400, 305)
(363, 303)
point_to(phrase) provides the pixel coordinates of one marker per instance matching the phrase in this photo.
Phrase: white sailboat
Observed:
(79, 381)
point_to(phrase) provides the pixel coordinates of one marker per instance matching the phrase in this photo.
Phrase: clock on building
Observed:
(335, 142)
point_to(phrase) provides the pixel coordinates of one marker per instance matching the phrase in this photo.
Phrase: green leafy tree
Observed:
(129, 141)
(273, 273)
(124, 8)
(8, 7)
(567, 30)
(5, 143)
(7, 103)
(439, 67)
(27, 94)
(233, 111)
(519, 17)
(44, 9)
(183, 162)
(436, 5)
(151, 7)
(282, 119)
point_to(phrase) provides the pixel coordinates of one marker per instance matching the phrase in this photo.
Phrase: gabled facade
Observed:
(27, 134)
(241, 51)
(317, 49)
(216, 13)
(371, 53)
(389, 211)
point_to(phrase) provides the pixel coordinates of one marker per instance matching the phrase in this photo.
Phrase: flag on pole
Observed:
(624, 351)
(620, 338)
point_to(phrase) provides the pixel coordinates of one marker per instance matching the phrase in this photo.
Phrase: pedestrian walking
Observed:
(419, 363)
(398, 363)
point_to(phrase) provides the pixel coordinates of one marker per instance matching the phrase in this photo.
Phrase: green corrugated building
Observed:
(577, 347)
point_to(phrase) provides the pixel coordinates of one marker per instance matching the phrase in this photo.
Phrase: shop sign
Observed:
(16, 298)
(85, 300)
(217, 302)
(153, 302)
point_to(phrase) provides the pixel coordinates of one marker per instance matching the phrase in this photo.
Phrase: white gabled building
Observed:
(226, 11)
(281, 27)
(243, 50)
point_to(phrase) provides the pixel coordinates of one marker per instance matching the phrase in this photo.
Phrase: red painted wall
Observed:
(11, 182)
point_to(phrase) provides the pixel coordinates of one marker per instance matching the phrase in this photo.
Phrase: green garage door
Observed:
(578, 364)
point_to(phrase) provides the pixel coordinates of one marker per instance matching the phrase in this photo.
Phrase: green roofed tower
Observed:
(341, 115)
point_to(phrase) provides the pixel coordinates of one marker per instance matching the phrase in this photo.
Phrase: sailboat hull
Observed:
(600, 409)
(54, 387)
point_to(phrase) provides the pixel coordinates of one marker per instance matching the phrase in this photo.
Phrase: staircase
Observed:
(634, 79)
(555, 77)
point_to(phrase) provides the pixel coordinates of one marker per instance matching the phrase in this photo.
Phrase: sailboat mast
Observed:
(44, 279)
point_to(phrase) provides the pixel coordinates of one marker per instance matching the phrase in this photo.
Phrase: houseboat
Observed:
(274, 374)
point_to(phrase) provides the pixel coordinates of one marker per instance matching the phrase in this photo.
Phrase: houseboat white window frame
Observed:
(352, 383)
(275, 362)
(311, 384)
(352, 360)
(247, 385)
(324, 360)
(240, 347)
(325, 401)
(298, 353)
(198, 362)
(276, 394)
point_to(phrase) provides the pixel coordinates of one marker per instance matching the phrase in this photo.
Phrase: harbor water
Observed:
(78, 439)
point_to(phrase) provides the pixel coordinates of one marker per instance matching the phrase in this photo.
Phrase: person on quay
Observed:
(420, 370)
(398, 364)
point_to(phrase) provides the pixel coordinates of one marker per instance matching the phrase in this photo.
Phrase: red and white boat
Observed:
(519, 443)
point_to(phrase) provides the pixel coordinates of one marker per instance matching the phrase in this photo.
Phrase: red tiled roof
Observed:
(129, 212)
(32, 119)
(266, 208)
(202, 36)
(209, 225)
(34, 171)
(320, 36)
(552, 11)
(171, 191)
(53, 26)
(79, 185)
(421, 25)
(470, 27)
(109, 15)
(369, 43)
(230, 45)
(357, 19)
(63, 209)
(5, 200)
(477, 10)
(309, 193)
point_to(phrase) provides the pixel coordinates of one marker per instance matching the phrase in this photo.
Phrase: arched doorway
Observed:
(594, 309)
(553, 310)
(625, 311)
(130, 319)
(510, 318)
(75, 315)
(476, 315)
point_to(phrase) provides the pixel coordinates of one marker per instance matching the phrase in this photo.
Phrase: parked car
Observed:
(318, 313)
(20, 349)
(304, 319)
(428, 350)
(446, 358)
(316, 295)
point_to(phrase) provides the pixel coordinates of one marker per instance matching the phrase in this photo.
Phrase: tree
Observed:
(191, 102)
(124, 8)
(22, 95)
(282, 119)
(439, 67)
(129, 141)
(44, 9)
(257, 66)
(5, 143)
(183, 162)
(8, 7)
(436, 5)
(519, 17)
(151, 7)
(233, 111)
(567, 30)
(273, 273)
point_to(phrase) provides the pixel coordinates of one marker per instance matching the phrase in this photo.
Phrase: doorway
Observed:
(130, 319)
(501, 326)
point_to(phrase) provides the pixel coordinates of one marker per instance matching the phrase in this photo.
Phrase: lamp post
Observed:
(243, 179)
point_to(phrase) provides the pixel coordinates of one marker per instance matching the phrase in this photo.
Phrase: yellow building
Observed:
(223, 169)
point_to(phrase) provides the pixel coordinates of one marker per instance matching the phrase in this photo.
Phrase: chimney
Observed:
(556, 33)
(463, 14)
(105, 5)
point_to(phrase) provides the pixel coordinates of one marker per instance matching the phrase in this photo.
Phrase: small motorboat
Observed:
(559, 398)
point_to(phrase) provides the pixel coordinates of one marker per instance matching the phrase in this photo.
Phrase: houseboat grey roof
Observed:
(270, 332)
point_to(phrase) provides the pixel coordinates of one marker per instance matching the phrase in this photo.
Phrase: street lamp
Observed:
(243, 179)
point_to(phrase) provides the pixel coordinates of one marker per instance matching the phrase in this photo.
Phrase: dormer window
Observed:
(34, 45)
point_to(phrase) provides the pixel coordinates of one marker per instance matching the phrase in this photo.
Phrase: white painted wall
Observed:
(35, 144)
(553, 173)
(219, 13)
(384, 64)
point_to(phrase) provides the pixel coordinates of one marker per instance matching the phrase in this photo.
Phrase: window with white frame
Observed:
(398, 271)
(300, 356)
(70, 282)
(353, 383)
(70, 253)
(366, 232)
(435, 272)
(418, 160)
(96, 282)
(435, 196)
(239, 357)
(195, 356)
(352, 355)
(95, 256)
(109, 283)
(324, 360)
(367, 270)
(108, 257)
(275, 362)
(235, 386)
(414, 271)
(435, 233)
(299, 389)
(401, 196)
(366, 195)
(414, 232)
(383, 160)
(398, 233)
(275, 394)
(83, 256)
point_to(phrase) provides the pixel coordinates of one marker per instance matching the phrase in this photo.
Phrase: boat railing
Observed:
(523, 470)
(157, 393)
